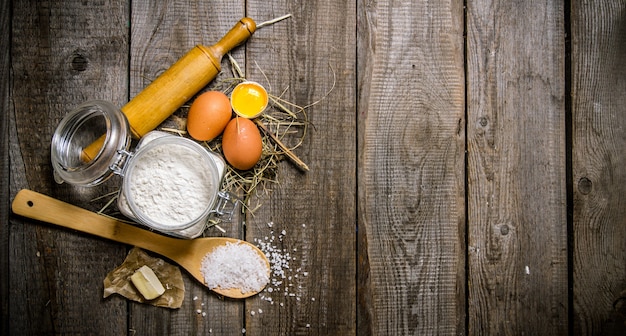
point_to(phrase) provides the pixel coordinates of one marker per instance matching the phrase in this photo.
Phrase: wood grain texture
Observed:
(161, 33)
(439, 183)
(5, 111)
(517, 228)
(62, 54)
(599, 157)
(411, 168)
(309, 55)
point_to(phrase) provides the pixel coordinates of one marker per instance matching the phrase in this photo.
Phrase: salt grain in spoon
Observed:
(235, 265)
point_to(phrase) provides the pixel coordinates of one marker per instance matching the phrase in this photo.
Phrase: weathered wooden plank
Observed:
(598, 157)
(161, 33)
(305, 56)
(63, 53)
(517, 226)
(5, 108)
(411, 168)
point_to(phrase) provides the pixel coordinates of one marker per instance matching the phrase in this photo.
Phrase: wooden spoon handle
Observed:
(40, 207)
(37, 206)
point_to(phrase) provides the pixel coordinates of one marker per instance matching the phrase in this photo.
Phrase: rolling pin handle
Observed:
(235, 36)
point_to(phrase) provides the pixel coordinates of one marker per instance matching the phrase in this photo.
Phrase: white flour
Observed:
(170, 185)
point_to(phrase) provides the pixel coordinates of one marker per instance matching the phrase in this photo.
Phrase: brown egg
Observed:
(241, 143)
(208, 115)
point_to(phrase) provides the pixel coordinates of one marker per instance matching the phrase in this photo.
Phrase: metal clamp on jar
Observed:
(169, 183)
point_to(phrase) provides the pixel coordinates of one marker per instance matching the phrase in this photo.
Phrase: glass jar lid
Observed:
(89, 143)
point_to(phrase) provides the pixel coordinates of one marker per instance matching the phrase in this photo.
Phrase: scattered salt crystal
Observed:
(282, 277)
(308, 325)
(203, 314)
(234, 265)
(260, 311)
(195, 298)
(198, 311)
(243, 331)
(252, 312)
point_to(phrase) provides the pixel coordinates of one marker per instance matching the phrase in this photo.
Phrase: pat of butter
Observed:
(147, 283)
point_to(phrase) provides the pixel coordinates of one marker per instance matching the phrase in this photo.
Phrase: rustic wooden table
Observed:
(466, 170)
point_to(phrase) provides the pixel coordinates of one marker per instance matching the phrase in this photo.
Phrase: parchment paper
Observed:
(118, 280)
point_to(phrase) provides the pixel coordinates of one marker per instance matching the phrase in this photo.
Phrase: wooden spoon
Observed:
(187, 253)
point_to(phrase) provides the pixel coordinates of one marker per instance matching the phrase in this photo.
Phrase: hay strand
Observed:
(270, 22)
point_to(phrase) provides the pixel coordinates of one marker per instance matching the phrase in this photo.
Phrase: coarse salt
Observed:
(235, 265)
(282, 276)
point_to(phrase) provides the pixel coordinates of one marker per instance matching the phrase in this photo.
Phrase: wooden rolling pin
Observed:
(177, 85)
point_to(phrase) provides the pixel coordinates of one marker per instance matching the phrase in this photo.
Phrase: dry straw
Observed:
(284, 128)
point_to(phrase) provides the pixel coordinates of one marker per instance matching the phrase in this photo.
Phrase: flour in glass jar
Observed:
(170, 185)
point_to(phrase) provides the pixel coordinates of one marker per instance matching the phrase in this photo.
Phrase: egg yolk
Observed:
(249, 99)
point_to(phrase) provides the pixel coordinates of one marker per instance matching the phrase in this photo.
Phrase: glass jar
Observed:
(169, 183)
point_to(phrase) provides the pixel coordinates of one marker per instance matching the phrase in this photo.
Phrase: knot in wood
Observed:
(79, 62)
(504, 229)
(585, 185)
